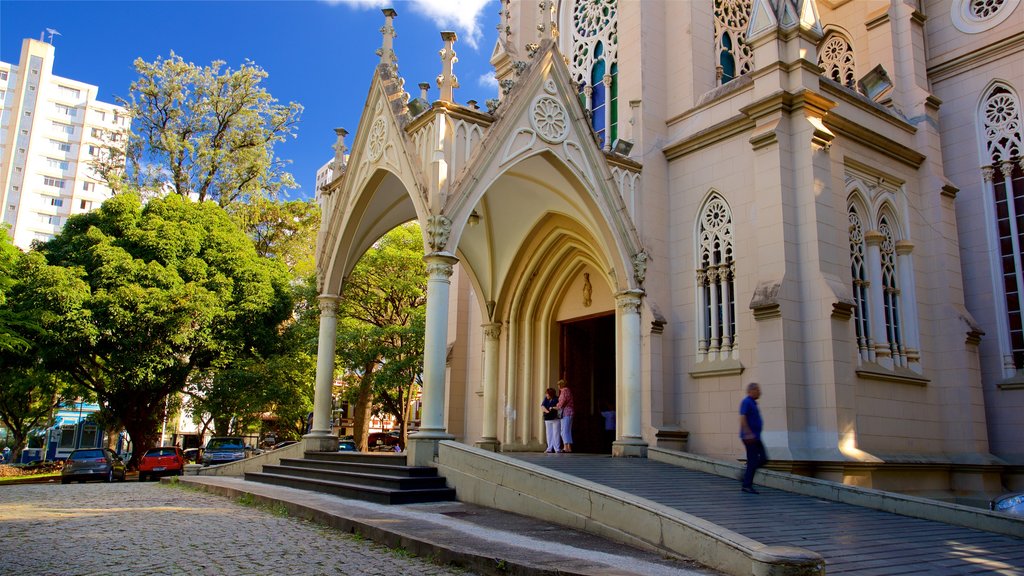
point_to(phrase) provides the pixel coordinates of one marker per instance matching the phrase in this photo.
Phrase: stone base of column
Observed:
(491, 444)
(422, 447)
(314, 442)
(629, 448)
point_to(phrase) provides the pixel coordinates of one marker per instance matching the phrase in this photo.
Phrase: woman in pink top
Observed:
(565, 407)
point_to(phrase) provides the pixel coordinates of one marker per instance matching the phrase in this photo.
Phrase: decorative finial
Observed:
(546, 28)
(424, 86)
(447, 81)
(340, 149)
(387, 49)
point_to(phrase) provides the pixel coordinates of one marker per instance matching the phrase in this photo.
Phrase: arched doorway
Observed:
(587, 363)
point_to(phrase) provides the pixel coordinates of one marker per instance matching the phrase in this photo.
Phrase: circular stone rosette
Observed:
(378, 132)
(549, 119)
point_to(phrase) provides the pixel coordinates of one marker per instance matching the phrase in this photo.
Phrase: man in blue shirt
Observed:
(750, 433)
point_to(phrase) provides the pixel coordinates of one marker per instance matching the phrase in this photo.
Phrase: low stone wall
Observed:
(912, 506)
(497, 481)
(254, 463)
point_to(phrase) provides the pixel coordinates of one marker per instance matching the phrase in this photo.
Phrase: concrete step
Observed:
(356, 491)
(378, 458)
(389, 468)
(379, 479)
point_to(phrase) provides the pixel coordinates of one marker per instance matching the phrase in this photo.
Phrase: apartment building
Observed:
(51, 130)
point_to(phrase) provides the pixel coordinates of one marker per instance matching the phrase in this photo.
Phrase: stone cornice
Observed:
(723, 130)
(861, 102)
(975, 58)
(454, 111)
(871, 139)
(623, 162)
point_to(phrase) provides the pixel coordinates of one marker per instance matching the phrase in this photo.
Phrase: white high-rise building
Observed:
(51, 128)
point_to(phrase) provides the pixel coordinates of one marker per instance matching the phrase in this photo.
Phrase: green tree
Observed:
(203, 132)
(380, 327)
(172, 290)
(15, 329)
(28, 391)
(285, 231)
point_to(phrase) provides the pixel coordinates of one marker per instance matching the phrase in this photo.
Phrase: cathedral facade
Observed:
(669, 200)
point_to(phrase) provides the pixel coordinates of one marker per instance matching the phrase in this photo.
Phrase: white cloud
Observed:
(462, 15)
(488, 80)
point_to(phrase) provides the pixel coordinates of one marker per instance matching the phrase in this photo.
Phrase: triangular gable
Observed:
(809, 19)
(380, 143)
(762, 19)
(788, 16)
(542, 113)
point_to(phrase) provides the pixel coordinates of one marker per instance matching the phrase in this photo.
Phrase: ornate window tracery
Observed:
(594, 65)
(1000, 119)
(835, 56)
(715, 275)
(858, 269)
(735, 58)
(891, 294)
(974, 16)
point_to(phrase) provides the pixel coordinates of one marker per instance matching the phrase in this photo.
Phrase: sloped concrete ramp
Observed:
(706, 517)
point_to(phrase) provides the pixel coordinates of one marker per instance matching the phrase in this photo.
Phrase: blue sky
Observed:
(317, 53)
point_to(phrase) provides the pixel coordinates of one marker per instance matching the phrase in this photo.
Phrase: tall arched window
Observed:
(715, 275)
(734, 57)
(1004, 181)
(594, 64)
(859, 271)
(835, 56)
(891, 294)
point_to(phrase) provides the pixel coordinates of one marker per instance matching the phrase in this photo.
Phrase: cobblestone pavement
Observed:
(152, 528)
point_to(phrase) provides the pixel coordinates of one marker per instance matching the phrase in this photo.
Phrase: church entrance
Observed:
(587, 364)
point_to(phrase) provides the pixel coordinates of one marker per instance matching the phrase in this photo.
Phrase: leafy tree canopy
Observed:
(285, 231)
(157, 294)
(203, 132)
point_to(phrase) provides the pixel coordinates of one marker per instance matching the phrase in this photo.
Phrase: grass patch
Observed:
(275, 508)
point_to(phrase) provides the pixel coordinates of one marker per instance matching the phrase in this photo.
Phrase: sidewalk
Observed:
(481, 540)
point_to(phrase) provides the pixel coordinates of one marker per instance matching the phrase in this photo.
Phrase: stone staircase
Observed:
(380, 478)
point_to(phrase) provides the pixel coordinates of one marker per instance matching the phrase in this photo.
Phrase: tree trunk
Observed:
(144, 435)
(363, 411)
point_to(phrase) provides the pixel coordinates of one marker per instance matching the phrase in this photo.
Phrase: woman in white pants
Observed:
(551, 421)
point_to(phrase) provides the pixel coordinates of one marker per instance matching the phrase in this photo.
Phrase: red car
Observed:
(380, 441)
(162, 461)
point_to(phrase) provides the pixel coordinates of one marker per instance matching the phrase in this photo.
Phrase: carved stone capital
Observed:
(629, 301)
(440, 265)
(988, 173)
(492, 331)
(874, 238)
(1007, 169)
(328, 304)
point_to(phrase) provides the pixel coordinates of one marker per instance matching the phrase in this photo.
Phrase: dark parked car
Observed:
(223, 449)
(382, 441)
(347, 446)
(162, 461)
(191, 455)
(93, 464)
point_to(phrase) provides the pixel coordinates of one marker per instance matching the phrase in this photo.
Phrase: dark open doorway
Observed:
(588, 365)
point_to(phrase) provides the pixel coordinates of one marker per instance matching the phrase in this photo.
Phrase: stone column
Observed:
(630, 441)
(321, 437)
(492, 332)
(423, 444)
(879, 339)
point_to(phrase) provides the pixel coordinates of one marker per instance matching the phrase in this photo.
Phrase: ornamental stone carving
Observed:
(549, 119)
(492, 331)
(377, 138)
(640, 267)
(328, 305)
(438, 229)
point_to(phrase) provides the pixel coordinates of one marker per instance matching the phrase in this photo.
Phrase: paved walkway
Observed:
(150, 528)
(853, 540)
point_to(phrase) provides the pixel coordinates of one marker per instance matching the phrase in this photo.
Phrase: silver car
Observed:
(93, 464)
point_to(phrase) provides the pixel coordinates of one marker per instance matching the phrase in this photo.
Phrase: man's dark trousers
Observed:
(756, 458)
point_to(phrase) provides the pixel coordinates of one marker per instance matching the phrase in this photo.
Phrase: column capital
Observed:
(440, 265)
(328, 304)
(492, 331)
(1007, 169)
(874, 238)
(904, 247)
(988, 173)
(629, 300)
